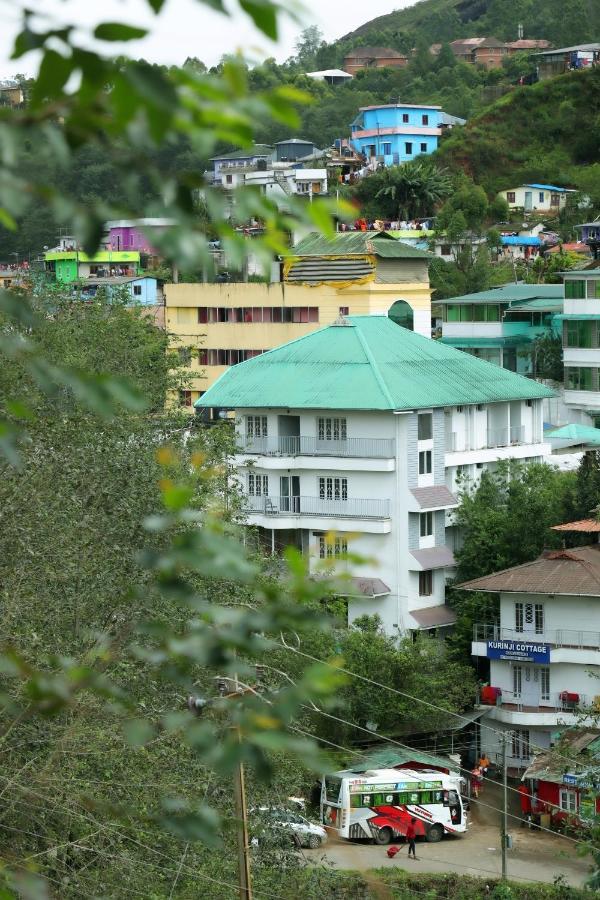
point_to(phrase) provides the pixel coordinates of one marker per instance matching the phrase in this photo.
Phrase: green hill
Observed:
(563, 22)
(547, 132)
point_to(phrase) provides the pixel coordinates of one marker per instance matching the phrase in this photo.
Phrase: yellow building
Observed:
(215, 326)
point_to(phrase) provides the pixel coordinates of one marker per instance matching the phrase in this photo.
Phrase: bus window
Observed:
(389, 799)
(438, 796)
(403, 798)
(413, 797)
(425, 797)
(455, 807)
(355, 801)
(332, 789)
(366, 799)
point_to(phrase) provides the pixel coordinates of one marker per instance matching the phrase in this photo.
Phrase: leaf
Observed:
(152, 85)
(156, 5)
(54, 72)
(7, 220)
(264, 15)
(117, 31)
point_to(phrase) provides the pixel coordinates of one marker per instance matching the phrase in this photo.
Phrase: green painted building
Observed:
(500, 324)
(71, 265)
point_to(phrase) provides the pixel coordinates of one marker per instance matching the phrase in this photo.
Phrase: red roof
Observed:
(587, 526)
(571, 247)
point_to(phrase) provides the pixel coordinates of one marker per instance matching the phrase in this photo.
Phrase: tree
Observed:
(588, 485)
(308, 45)
(407, 191)
(547, 357)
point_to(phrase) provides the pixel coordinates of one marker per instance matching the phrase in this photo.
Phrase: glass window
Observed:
(313, 313)
(258, 485)
(518, 617)
(425, 464)
(331, 548)
(425, 426)
(185, 398)
(452, 312)
(578, 379)
(568, 801)
(333, 488)
(423, 148)
(256, 426)
(541, 197)
(580, 334)
(510, 197)
(408, 148)
(277, 314)
(344, 310)
(425, 120)
(355, 801)
(267, 314)
(574, 290)
(593, 290)
(539, 618)
(545, 682)
(386, 149)
(202, 315)
(405, 118)
(478, 312)
(333, 429)
(426, 524)
(517, 680)
(425, 584)
(492, 312)
(137, 290)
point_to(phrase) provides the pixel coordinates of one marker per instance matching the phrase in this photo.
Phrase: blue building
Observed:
(394, 133)
(144, 290)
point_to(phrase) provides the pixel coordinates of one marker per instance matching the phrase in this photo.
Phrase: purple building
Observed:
(590, 231)
(135, 234)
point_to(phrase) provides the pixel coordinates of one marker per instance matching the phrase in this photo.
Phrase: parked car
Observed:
(302, 831)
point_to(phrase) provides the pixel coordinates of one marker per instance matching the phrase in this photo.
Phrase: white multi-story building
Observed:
(581, 341)
(545, 652)
(351, 438)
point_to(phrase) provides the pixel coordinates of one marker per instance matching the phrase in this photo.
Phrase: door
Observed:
(288, 429)
(528, 201)
(526, 681)
(289, 500)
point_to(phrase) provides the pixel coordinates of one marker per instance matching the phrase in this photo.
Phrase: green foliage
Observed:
(547, 357)
(403, 192)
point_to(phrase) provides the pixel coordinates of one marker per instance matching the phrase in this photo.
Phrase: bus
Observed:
(379, 804)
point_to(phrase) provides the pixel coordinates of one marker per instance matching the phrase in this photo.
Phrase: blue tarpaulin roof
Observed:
(549, 187)
(514, 240)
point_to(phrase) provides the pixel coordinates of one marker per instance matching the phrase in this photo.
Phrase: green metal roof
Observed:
(386, 757)
(511, 293)
(540, 304)
(355, 243)
(508, 341)
(584, 434)
(368, 363)
(575, 317)
(249, 153)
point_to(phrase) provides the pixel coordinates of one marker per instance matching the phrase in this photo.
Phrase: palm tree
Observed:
(416, 187)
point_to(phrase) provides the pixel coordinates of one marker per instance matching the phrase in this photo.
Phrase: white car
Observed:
(304, 832)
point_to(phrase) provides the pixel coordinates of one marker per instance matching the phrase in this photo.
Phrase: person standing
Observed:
(411, 834)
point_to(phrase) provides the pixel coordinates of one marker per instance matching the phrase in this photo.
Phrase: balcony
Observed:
(552, 702)
(457, 442)
(317, 506)
(300, 445)
(567, 638)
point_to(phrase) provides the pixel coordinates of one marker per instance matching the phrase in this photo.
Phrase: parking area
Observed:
(536, 856)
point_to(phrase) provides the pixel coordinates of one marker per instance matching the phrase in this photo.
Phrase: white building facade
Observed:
(581, 340)
(545, 651)
(378, 481)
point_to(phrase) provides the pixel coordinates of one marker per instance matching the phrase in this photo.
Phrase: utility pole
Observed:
(197, 705)
(504, 830)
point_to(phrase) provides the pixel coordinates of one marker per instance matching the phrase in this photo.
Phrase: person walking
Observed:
(411, 834)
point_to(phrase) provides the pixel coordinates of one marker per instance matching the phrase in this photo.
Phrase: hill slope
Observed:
(547, 132)
(563, 22)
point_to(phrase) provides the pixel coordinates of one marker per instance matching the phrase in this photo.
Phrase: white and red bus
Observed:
(379, 804)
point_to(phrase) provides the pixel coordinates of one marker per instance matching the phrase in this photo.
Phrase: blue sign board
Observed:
(569, 779)
(520, 651)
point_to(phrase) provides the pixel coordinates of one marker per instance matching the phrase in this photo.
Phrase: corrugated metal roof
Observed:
(317, 270)
(574, 571)
(540, 304)
(552, 187)
(355, 586)
(511, 293)
(434, 557)
(508, 341)
(585, 526)
(249, 153)
(358, 243)
(385, 757)
(368, 363)
(580, 745)
(584, 434)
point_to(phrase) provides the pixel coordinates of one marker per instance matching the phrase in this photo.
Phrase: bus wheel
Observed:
(435, 834)
(383, 836)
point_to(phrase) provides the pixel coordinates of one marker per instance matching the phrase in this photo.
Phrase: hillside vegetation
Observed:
(547, 132)
(562, 22)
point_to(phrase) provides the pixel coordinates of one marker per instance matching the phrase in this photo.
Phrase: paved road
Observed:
(536, 856)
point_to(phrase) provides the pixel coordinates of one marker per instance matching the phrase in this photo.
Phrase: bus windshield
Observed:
(332, 788)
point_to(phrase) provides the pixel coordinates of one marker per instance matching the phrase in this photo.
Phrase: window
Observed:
(185, 355)
(185, 398)
(330, 548)
(426, 524)
(578, 379)
(426, 584)
(386, 148)
(574, 290)
(333, 488)
(425, 465)
(446, 250)
(423, 147)
(539, 618)
(545, 683)
(510, 197)
(202, 315)
(425, 119)
(520, 743)
(404, 118)
(425, 426)
(517, 680)
(593, 290)
(541, 196)
(568, 801)
(529, 617)
(137, 290)
(408, 148)
(258, 485)
(256, 426)
(344, 310)
(331, 429)
(229, 179)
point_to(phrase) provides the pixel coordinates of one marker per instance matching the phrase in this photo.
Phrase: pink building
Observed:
(135, 234)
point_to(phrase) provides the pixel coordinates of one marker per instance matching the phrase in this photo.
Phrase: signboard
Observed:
(520, 651)
(569, 779)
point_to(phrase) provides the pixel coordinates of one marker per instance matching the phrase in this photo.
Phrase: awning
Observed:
(434, 616)
(352, 586)
(433, 558)
(438, 497)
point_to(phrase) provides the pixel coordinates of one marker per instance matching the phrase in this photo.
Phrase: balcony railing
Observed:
(554, 701)
(562, 637)
(457, 442)
(317, 506)
(300, 445)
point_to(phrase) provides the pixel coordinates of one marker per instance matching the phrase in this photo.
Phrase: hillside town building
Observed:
(373, 58)
(394, 133)
(581, 339)
(218, 325)
(353, 439)
(540, 198)
(544, 653)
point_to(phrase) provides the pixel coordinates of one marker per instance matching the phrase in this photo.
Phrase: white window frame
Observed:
(426, 520)
(257, 426)
(567, 800)
(422, 417)
(520, 743)
(333, 547)
(517, 681)
(425, 462)
(544, 682)
(332, 487)
(332, 428)
(429, 580)
(258, 485)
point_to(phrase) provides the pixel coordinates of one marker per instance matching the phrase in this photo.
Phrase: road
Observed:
(536, 856)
